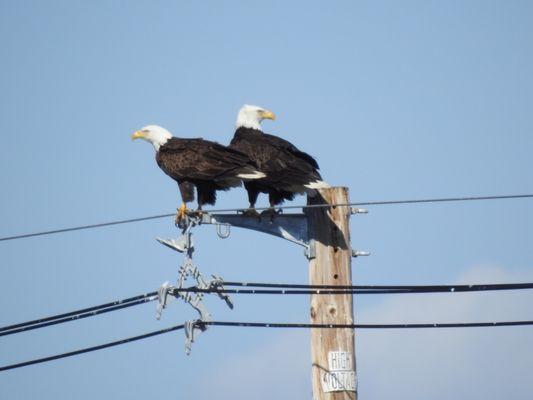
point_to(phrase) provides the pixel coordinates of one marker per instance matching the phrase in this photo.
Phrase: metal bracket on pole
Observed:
(359, 253)
(291, 227)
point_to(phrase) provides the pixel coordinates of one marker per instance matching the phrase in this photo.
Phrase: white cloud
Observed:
(277, 370)
(476, 363)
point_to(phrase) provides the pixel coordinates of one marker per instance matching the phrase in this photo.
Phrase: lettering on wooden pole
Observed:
(341, 375)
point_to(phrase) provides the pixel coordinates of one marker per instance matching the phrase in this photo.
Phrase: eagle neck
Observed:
(251, 131)
(157, 143)
(245, 121)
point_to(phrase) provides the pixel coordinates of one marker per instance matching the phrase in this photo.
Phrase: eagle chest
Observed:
(173, 163)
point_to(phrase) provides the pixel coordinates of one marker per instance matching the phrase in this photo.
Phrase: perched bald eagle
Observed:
(199, 163)
(288, 170)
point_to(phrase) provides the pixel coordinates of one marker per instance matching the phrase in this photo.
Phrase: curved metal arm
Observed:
(291, 227)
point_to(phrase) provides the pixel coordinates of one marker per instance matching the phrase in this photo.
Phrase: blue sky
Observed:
(395, 99)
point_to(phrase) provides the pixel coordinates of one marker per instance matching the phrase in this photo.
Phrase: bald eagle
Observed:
(199, 163)
(288, 170)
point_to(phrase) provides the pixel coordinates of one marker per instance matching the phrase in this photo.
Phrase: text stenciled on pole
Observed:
(340, 376)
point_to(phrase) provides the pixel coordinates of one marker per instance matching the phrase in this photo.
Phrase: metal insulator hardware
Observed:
(184, 244)
(163, 298)
(360, 253)
(223, 233)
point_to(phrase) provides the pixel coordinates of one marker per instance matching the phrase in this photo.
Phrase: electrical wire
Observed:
(83, 227)
(89, 349)
(271, 325)
(364, 289)
(335, 292)
(77, 314)
(389, 202)
(285, 289)
(368, 203)
(367, 326)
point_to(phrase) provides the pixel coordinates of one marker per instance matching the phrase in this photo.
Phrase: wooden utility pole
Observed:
(332, 350)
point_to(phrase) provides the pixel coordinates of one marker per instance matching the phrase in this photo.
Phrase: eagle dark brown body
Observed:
(203, 164)
(288, 170)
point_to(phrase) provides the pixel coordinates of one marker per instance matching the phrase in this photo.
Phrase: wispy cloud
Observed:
(477, 363)
(277, 370)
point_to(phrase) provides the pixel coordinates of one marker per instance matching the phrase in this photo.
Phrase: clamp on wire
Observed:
(184, 244)
(216, 284)
(192, 328)
(163, 298)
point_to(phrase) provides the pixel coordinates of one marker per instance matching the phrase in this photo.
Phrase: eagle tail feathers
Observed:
(317, 185)
(252, 175)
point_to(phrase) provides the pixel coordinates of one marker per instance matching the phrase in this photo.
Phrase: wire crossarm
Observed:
(291, 227)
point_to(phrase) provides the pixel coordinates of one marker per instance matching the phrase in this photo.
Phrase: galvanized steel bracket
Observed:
(291, 227)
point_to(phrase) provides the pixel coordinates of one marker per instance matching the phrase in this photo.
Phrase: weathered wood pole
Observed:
(332, 350)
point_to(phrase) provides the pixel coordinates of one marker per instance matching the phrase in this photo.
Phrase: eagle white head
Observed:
(154, 134)
(251, 117)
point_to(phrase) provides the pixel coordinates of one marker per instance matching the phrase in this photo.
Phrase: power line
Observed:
(89, 349)
(366, 289)
(83, 227)
(272, 325)
(77, 314)
(284, 289)
(390, 202)
(334, 292)
(367, 326)
(368, 203)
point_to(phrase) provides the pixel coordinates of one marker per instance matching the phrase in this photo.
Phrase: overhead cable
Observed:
(390, 202)
(77, 314)
(367, 326)
(89, 349)
(381, 289)
(284, 289)
(368, 203)
(273, 325)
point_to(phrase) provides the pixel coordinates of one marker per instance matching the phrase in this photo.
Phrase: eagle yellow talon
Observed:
(182, 211)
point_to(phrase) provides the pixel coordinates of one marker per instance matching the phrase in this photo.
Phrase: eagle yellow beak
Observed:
(137, 135)
(268, 115)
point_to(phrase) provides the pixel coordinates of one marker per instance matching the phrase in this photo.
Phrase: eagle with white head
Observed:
(288, 171)
(199, 163)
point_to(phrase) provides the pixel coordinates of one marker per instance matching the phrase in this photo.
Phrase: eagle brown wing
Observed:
(287, 167)
(203, 160)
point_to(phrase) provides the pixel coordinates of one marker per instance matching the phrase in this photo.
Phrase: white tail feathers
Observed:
(317, 185)
(253, 175)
